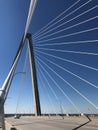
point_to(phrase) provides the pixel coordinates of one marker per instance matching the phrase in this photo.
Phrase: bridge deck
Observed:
(52, 123)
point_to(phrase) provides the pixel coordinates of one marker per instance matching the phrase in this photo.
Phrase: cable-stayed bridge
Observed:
(60, 64)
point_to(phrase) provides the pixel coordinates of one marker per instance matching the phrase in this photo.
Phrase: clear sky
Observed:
(68, 78)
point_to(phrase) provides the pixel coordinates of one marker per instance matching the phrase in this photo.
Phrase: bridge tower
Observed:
(6, 86)
(37, 107)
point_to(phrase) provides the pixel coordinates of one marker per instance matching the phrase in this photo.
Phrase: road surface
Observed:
(52, 123)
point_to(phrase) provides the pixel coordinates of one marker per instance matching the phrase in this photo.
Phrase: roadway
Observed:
(52, 123)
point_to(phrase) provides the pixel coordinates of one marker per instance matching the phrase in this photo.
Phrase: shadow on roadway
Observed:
(89, 120)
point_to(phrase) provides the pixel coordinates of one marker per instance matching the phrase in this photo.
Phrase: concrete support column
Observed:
(2, 122)
(34, 77)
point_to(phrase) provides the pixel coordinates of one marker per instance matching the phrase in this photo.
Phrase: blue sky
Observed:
(13, 15)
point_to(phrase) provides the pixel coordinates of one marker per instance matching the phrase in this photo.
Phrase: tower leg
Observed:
(34, 77)
(2, 122)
